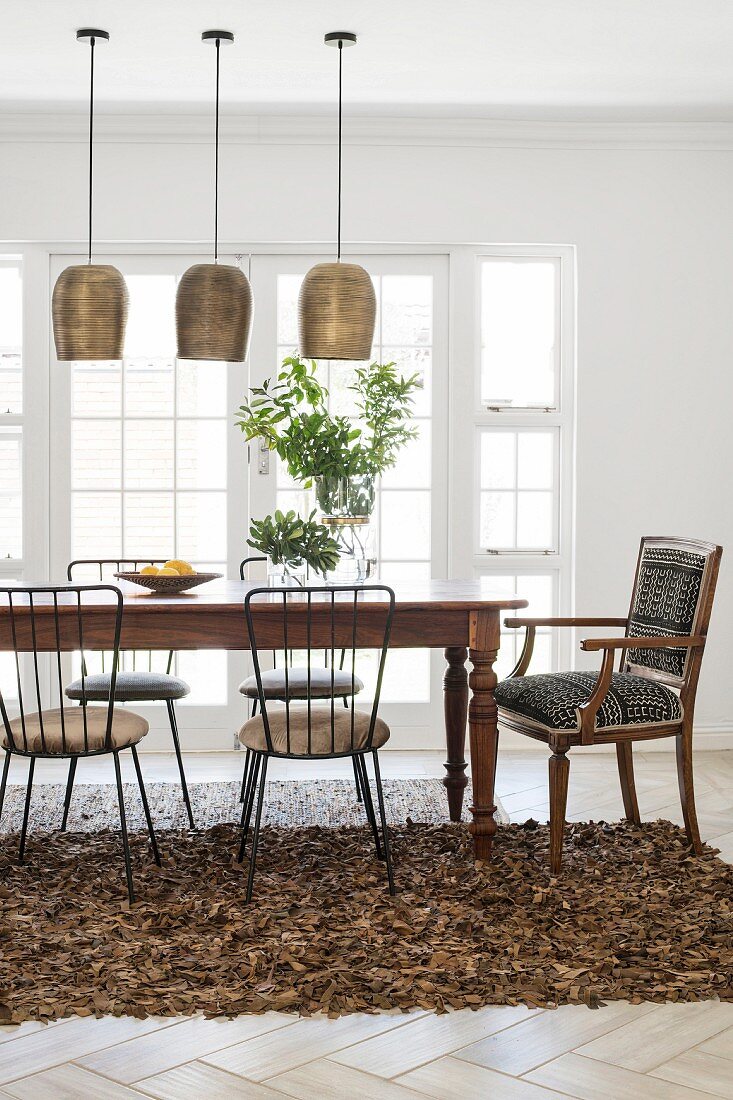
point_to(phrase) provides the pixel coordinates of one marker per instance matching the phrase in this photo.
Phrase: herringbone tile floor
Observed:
(620, 1052)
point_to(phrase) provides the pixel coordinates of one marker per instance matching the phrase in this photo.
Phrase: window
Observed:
(523, 436)
(11, 417)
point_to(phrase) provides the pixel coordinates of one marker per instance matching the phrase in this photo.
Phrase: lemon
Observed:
(166, 571)
(180, 566)
(149, 571)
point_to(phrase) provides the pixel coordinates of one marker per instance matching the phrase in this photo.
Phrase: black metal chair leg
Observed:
(357, 779)
(245, 774)
(4, 781)
(179, 758)
(123, 827)
(24, 830)
(146, 808)
(249, 802)
(69, 788)
(383, 818)
(368, 802)
(256, 833)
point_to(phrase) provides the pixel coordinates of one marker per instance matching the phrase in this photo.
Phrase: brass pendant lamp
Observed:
(90, 301)
(337, 305)
(214, 301)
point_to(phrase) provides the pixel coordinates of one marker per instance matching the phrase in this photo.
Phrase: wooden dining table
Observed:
(459, 617)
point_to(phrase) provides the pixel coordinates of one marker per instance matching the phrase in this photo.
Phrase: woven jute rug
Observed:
(632, 916)
(288, 803)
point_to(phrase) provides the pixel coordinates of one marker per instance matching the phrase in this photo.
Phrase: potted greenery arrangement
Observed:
(341, 458)
(292, 545)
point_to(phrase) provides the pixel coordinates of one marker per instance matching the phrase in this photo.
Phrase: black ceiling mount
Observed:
(217, 36)
(88, 34)
(346, 38)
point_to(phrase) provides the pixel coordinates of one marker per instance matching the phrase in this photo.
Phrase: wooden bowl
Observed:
(168, 586)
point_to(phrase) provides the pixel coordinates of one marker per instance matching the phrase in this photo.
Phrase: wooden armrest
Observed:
(688, 641)
(565, 622)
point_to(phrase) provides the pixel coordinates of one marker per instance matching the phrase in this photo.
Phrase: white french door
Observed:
(146, 463)
(411, 512)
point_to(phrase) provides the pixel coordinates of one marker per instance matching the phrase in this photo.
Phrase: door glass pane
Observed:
(202, 454)
(148, 526)
(405, 525)
(149, 386)
(96, 524)
(96, 454)
(96, 389)
(202, 524)
(518, 332)
(149, 454)
(11, 337)
(11, 512)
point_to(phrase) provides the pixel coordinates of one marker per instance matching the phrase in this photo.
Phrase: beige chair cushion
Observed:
(273, 683)
(252, 733)
(127, 729)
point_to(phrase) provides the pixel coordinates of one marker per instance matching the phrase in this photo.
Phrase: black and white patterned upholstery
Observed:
(130, 687)
(665, 603)
(552, 700)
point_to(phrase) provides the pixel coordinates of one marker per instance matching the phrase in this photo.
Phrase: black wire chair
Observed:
(303, 729)
(277, 687)
(66, 732)
(138, 684)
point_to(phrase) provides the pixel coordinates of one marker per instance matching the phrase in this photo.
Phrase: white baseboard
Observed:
(419, 739)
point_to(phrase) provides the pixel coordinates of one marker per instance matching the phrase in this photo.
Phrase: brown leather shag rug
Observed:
(632, 916)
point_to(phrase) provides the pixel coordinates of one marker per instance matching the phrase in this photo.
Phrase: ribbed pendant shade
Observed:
(89, 310)
(337, 308)
(214, 301)
(337, 305)
(90, 301)
(214, 313)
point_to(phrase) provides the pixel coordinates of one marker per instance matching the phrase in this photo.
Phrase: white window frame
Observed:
(469, 409)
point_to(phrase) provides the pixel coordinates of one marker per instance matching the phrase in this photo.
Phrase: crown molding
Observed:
(145, 128)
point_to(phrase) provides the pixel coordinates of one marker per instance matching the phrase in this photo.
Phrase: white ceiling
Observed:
(641, 59)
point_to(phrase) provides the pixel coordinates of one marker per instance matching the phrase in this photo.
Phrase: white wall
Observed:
(654, 234)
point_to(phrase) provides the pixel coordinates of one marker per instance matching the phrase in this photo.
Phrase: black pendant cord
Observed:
(338, 225)
(92, 42)
(216, 162)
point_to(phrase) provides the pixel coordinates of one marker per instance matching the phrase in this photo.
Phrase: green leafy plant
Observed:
(289, 540)
(291, 415)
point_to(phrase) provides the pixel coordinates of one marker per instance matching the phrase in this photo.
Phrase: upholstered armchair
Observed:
(651, 695)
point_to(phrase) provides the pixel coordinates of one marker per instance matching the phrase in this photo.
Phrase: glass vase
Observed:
(280, 575)
(345, 496)
(356, 540)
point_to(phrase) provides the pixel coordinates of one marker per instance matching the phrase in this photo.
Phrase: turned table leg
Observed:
(455, 705)
(482, 715)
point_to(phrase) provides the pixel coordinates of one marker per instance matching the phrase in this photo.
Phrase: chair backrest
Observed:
(53, 619)
(673, 595)
(289, 656)
(243, 565)
(102, 570)
(310, 619)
